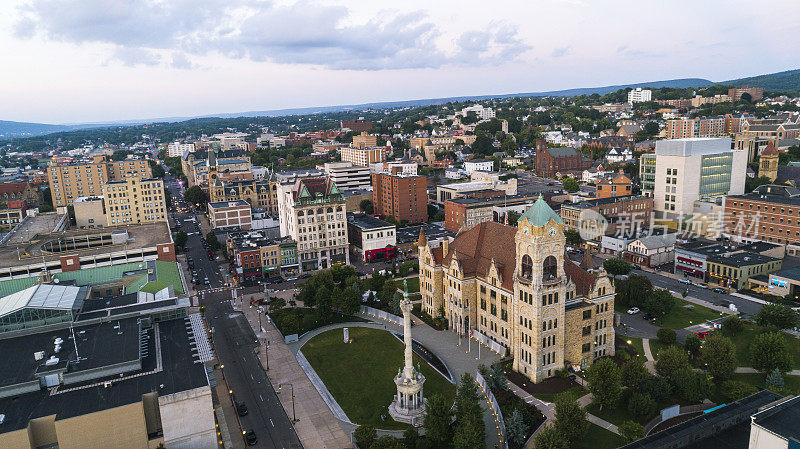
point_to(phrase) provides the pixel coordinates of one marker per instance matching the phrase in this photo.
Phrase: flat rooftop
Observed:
(433, 231)
(781, 419)
(367, 222)
(742, 259)
(31, 250)
(180, 370)
(40, 224)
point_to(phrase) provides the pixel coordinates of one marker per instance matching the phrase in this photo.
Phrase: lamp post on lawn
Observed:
(294, 417)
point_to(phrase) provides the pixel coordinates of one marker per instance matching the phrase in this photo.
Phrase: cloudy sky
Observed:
(74, 61)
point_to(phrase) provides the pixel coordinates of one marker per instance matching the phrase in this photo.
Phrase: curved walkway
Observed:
(458, 355)
(648, 353)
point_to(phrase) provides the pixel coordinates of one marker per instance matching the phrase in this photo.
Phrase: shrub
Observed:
(364, 436)
(631, 431)
(774, 380)
(733, 390)
(666, 335)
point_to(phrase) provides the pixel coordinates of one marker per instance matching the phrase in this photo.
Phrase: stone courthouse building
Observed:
(514, 285)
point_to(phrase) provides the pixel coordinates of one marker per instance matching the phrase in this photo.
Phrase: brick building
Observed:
(550, 161)
(615, 185)
(225, 214)
(401, 196)
(75, 179)
(618, 211)
(771, 213)
(357, 126)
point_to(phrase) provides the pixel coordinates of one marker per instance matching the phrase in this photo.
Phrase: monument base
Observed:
(408, 405)
(408, 416)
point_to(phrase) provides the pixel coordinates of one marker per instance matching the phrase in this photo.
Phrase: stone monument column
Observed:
(409, 404)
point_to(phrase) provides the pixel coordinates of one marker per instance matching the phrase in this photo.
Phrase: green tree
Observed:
(616, 266)
(437, 421)
(195, 195)
(778, 315)
(719, 355)
(551, 438)
(573, 237)
(410, 437)
(692, 344)
(657, 387)
(604, 382)
(732, 325)
(570, 418)
(516, 428)
(631, 431)
(633, 291)
(351, 301)
(213, 242)
(666, 335)
(387, 442)
(691, 385)
(659, 303)
(774, 380)
(571, 185)
(365, 436)
(768, 352)
(750, 184)
(469, 434)
(290, 324)
(366, 206)
(733, 390)
(158, 171)
(180, 239)
(641, 406)
(670, 360)
(633, 372)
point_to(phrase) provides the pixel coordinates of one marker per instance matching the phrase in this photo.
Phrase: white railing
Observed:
(382, 314)
(498, 415)
(488, 342)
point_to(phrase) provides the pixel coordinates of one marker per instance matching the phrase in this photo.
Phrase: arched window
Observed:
(330, 210)
(549, 268)
(527, 266)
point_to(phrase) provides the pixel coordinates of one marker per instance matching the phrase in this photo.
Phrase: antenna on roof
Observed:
(75, 342)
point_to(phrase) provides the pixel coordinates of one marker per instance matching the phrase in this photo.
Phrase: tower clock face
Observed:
(551, 232)
(525, 231)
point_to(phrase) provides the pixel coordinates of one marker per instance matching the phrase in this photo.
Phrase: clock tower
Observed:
(540, 291)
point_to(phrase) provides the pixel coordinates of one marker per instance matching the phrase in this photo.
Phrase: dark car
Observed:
(718, 290)
(648, 317)
(250, 438)
(241, 408)
(635, 267)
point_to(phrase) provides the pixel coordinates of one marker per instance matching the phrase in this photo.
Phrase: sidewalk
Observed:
(648, 353)
(748, 370)
(317, 428)
(585, 400)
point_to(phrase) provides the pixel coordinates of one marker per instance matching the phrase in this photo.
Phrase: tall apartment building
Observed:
(639, 95)
(357, 126)
(683, 171)
(177, 149)
(363, 156)
(401, 196)
(135, 201)
(347, 176)
(312, 212)
(684, 128)
(512, 287)
(71, 180)
(480, 111)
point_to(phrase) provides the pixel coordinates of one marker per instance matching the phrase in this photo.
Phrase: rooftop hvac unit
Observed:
(53, 360)
(58, 341)
(38, 355)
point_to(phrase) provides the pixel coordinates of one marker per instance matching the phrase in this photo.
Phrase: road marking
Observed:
(270, 421)
(261, 397)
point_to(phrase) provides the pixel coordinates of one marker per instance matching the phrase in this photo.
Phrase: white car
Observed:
(685, 281)
(633, 311)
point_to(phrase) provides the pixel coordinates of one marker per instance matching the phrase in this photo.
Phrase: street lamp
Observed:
(280, 386)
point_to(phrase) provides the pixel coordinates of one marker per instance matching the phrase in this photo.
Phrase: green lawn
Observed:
(576, 392)
(599, 438)
(757, 379)
(745, 338)
(413, 284)
(635, 342)
(615, 415)
(154, 286)
(681, 316)
(656, 346)
(360, 374)
(307, 319)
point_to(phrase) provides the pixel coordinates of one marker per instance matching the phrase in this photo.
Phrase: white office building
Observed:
(683, 171)
(639, 95)
(177, 149)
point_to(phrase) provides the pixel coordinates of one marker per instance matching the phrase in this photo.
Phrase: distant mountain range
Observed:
(781, 81)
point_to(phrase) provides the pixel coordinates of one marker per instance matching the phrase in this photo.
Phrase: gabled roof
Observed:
(770, 150)
(310, 188)
(540, 213)
(561, 152)
(583, 280)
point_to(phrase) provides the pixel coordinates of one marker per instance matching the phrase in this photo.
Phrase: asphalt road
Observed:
(236, 347)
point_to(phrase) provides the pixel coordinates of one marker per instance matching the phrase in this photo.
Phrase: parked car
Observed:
(250, 437)
(703, 334)
(648, 317)
(633, 311)
(718, 290)
(635, 267)
(205, 281)
(685, 281)
(241, 408)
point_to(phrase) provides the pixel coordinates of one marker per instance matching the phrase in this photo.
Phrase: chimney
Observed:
(445, 245)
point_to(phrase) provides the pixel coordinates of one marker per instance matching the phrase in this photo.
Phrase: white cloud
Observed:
(301, 33)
